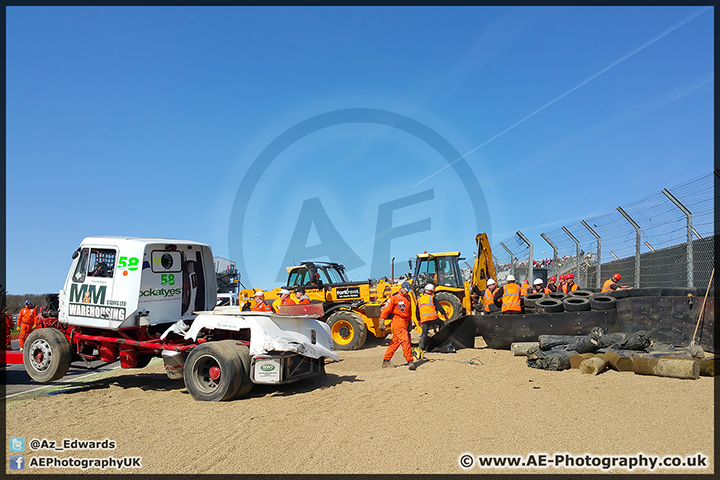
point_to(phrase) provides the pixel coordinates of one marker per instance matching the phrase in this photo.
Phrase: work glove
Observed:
(381, 325)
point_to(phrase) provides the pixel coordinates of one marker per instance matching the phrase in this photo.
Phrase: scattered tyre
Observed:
(603, 302)
(582, 293)
(451, 304)
(213, 372)
(576, 304)
(530, 299)
(347, 329)
(47, 355)
(549, 305)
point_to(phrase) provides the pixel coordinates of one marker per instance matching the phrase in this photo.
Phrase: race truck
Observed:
(134, 299)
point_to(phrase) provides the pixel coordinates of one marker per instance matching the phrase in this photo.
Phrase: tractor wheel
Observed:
(451, 304)
(46, 355)
(243, 352)
(213, 372)
(347, 329)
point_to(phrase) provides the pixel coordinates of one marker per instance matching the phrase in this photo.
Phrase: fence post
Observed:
(688, 215)
(577, 251)
(512, 259)
(554, 252)
(598, 274)
(530, 256)
(637, 244)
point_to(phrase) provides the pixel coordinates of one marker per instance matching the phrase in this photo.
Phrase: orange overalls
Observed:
(261, 307)
(277, 303)
(400, 307)
(8, 328)
(27, 320)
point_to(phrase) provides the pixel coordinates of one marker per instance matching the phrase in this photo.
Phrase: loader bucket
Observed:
(460, 332)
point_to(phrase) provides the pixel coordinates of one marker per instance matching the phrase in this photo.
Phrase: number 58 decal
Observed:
(167, 279)
(129, 263)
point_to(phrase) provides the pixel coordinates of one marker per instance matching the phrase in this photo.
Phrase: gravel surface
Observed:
(368, 419)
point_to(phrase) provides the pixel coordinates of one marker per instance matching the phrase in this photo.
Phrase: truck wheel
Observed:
(243, 353)
(213, 372)
(347, 329)
(451, 304)
(47, 355)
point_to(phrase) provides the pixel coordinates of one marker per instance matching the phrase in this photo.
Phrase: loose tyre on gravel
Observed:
(46, 355)
(451, 304)
(549, 305)
(347, 329)
(213, 372)
(603, 302)
(576, 304)
(530, 299)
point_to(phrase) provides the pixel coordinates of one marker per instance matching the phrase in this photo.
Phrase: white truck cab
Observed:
(121, 282)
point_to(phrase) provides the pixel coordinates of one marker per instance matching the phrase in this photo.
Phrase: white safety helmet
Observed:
(258, 293)
(491, 282)
(284, 292)
(429, 287)
(511, 278)
(538, 281)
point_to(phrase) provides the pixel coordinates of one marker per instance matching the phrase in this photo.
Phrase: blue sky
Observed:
(147, 121)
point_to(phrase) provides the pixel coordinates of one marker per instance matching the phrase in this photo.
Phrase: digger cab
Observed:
(440, 269)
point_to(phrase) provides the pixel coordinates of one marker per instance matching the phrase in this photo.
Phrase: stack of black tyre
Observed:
(577, 301)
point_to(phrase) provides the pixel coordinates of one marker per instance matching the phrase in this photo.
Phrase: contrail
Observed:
(584, 82)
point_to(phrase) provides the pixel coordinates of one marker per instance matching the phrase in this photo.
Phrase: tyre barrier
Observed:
(530, 299)
(582, 293)
(603, 302)
(556, 295)
(549, 305)
(576, 304)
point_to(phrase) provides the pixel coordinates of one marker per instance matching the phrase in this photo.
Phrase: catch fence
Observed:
(664, 240)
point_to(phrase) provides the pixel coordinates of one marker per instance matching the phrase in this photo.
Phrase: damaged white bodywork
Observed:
(269, 332)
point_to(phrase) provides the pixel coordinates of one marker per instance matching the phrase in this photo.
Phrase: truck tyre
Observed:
(47, 355)
(243, 353)
(530, 299)
(573, 303)
(549, 305)
(347, 329)
(213, 372)
(451, 304)
(603, 302)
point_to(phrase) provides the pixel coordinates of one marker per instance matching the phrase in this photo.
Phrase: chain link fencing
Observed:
(664, 240)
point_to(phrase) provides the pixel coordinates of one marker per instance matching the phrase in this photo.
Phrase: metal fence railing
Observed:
(666, 239)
